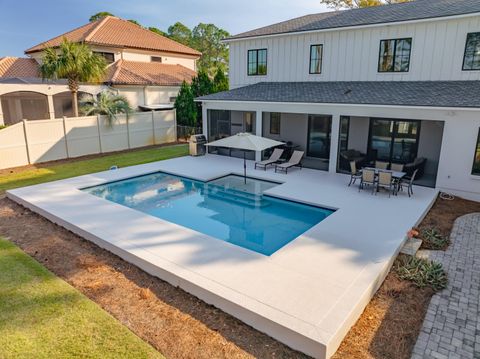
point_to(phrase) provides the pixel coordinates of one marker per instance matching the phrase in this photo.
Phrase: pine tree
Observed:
(186, 107)
(220, 81)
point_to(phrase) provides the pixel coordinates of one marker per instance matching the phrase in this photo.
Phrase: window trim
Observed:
(279, 124)
(103, 53)
(256, 61)
(477, 175)
(394, 55)
(310, 62)
(465, 52)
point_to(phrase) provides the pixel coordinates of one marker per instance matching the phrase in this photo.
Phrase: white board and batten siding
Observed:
(39, 141)
(352, 54)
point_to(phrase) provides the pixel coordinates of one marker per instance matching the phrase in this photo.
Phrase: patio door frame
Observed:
(394, 134)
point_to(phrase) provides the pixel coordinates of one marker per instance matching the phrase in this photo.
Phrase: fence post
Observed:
(26, 141)
(128, 132)
(175, 124)
(65, 136)
(99, 134)
(153, 127)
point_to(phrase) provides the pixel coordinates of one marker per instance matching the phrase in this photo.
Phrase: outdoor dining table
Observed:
(395, 174)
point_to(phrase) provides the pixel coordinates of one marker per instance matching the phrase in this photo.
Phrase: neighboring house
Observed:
(398, 83)
(145, 67)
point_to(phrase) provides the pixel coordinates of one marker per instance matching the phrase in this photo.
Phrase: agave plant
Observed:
(105, 103)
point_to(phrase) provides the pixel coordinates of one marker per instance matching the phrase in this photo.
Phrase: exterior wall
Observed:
(352, 55)
(358, 133)
(46, 140)
(458, 144)
(293, 127)
(167, 58)
(149, 95)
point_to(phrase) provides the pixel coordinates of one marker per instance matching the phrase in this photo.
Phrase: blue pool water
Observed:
(225, 208)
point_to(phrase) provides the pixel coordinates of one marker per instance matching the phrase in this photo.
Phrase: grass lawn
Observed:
(41, 316)
(55, 171)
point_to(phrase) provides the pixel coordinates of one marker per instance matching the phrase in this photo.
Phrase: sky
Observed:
(24, 23)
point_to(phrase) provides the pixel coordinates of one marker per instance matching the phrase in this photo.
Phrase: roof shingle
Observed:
(415, 10)
(18, 67)
(115, 32)
(401, 93)
(147, 73)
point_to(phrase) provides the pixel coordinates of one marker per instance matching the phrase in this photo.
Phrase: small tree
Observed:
(186, 107)
(352, 4)
(201, 86)
(74, 62)
(105, 103)
(100, 15)
(220, 81)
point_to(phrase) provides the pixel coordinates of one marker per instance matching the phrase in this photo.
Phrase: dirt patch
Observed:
(182, 326)
(444, 213)
(176, 323)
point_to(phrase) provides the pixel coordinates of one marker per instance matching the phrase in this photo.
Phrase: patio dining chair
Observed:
(381, 165)
(397, 167)
(294, 161)
(354, 173)
(385, 180)
(408, 183)
(367, 179)
(274, 158)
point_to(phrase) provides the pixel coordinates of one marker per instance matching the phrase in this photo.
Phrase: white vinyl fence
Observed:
(38, 141)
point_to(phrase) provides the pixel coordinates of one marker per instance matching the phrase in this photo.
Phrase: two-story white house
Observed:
(397, 83)
(145, 67)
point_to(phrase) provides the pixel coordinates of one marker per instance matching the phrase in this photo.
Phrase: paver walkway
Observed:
(452, 325)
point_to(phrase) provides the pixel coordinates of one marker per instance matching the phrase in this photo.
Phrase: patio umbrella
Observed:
(245, 142)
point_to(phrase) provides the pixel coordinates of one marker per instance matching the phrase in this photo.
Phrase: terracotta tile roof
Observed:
(124, 72)
(18, 67)
(115, 32)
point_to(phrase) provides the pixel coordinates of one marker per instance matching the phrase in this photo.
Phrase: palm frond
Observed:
(105, 103)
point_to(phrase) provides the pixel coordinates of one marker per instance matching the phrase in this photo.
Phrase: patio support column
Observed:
(332, 165)
(204, 120)
(258, 132)
(51, 107)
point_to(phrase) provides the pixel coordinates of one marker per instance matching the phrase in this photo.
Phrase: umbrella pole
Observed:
(244, 167)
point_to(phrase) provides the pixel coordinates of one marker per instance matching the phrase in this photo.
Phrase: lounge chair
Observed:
(385, 180)
(294, 161)
(381, 165)
(367, 179)
(275, 156)
(354, 173)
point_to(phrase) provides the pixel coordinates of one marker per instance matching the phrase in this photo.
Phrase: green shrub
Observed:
(433, 239)
(422, 272)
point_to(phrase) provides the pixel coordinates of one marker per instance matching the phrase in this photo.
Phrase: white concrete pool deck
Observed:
(307, 295)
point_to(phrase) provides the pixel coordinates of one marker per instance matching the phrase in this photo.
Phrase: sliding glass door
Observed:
(394, 141)
(319, 131)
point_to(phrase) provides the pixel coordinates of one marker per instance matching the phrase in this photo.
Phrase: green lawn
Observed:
(46, 173)
(41, 316)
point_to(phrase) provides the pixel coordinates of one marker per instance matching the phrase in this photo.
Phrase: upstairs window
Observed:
(471, 60)
(257, 62)
(316, 55)
(395, 55)
(108, 56)
(476, 159)
(155, 59)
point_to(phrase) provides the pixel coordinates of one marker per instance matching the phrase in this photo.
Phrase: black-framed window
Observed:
(316, 58)
(471, 58)
(476, 159)
(318, 137)
(156, 59)
(275, 120)
(257, 62)
(108, 56)
(394, 55)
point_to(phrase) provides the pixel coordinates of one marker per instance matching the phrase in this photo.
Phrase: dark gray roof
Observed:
(415, 10)
(413, 93)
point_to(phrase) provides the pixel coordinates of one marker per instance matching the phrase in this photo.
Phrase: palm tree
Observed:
(105, 103)
(75, 62)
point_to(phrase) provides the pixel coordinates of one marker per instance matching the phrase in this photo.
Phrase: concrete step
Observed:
(411, 246)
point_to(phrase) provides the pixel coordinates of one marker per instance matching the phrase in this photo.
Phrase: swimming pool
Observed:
(226, 208)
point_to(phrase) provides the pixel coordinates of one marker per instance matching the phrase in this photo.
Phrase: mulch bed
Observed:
(181, 326)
